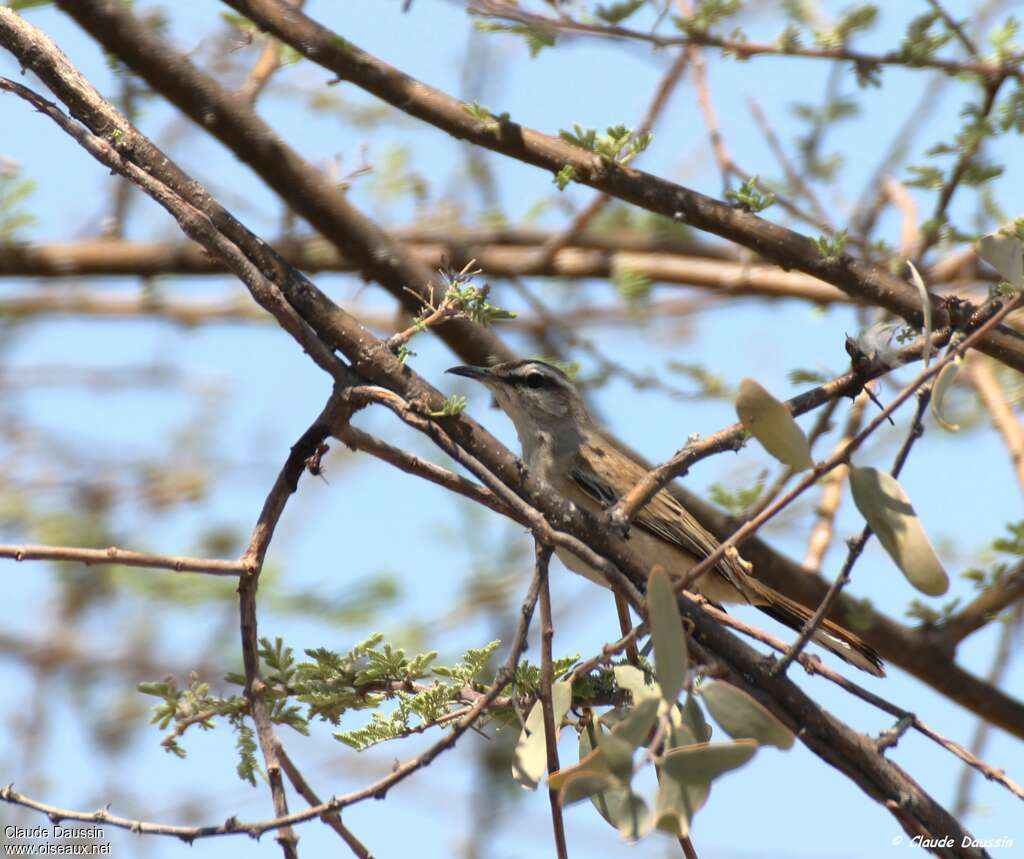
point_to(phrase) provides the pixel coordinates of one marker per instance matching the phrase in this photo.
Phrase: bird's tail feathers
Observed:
(830, 635)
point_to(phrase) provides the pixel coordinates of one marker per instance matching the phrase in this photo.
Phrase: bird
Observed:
(565, 447)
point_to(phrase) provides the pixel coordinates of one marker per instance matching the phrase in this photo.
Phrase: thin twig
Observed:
(123, 557)
(1000, 662)
(856, 546)
(813, 665)
(635, 499)
(269, 62)
(377, 790)
(547, 679)
(333, 819)
(597, 204)
(740, 47)
(832, 494)
(534, 519)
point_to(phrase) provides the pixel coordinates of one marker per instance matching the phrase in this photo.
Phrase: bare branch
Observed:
(123, 557)
(547, 679)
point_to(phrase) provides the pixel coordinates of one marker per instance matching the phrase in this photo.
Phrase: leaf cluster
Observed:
(619, 144)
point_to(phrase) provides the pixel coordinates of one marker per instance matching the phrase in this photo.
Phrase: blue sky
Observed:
(344, 531)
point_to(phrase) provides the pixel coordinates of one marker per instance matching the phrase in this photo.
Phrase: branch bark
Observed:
(860, 280)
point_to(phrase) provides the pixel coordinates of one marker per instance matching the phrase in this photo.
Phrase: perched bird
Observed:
(564, 446)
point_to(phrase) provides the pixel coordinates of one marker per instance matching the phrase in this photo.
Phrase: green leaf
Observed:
(537, 38)
(947, 375)
(742, 717)
(693, 718)
(772, 424)
(750, 197)
(593, 763)
(584, 785)
(610, 802)
(635, 817)
(1003, 251)
(564, 176)
(634, 286)
(530, 758)
(686, 776)
(618, 753)
(887, 509)
(634, 681)
(701, 763)
(670, 658)
(636, 727)
(926, 311)
(616, 13)
(675, 806)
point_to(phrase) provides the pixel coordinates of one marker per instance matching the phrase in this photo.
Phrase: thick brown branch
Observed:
(833, 741)
(574, 261)
(860, 280)
(304, 188)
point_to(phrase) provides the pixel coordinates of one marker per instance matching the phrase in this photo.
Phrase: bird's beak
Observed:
(480, 374)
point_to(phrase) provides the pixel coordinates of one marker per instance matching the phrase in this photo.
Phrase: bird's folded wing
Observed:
(663, 516)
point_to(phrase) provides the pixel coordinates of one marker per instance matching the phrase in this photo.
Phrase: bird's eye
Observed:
(535, 380)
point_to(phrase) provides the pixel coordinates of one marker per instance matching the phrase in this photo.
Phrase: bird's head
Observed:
(538, 397)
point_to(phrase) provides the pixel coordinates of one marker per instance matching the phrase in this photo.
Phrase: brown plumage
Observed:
(563, 446)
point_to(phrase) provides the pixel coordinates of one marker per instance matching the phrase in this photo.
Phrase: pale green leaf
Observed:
(887, 509)
(947, 375)
(635, 818)
(530, 759)
(584, 785)
(926, 310)
(1003, 251)
(609, 803)
(592, 763)
(674, 807)
(636, 727)
(693, 718)
(686, 778)
(618, 754)
(633, 680)
(670, 659)
(702, 763)
(742, 717)
(771, 423)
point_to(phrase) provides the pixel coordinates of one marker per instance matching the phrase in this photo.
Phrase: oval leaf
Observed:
(636, 727)
(693, 718)
(609, 803)
(670, 659)
(771, 423)
(926, 311)
(618, 754)
(635, 817)
(632, 679)
(583, 785)
(742, 717)
(592, 762)
(887, 509)
(702, 763)
(1003, 251)
(675, 805)
(947, 375)
(530, 759)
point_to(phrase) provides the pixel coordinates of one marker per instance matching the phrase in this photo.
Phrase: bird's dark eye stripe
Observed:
(533, 380)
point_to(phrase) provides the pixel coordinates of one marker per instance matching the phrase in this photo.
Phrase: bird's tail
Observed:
(839, 640)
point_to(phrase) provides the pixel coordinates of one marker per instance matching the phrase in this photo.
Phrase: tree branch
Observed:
(114, 556)
(862, 281)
